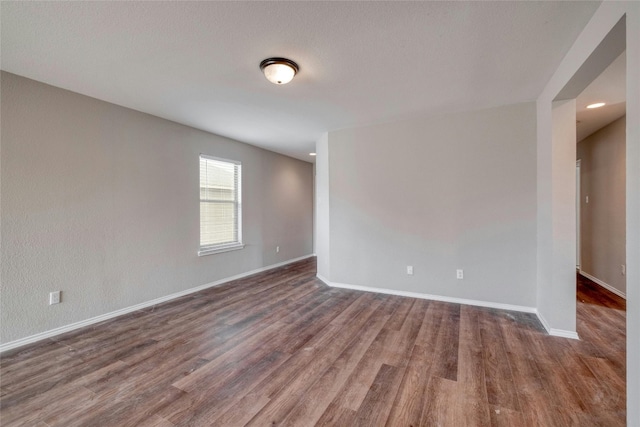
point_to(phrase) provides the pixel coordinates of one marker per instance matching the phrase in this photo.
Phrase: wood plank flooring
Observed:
(282, 348)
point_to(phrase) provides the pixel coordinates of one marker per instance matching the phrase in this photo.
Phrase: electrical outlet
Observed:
(459, 274)
(54, 297)
(410, 270)
(623, 269)
(277, 249)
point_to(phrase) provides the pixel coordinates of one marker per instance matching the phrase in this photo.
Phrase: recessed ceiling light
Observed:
(312, 154)
(596, 105)
(279, 70)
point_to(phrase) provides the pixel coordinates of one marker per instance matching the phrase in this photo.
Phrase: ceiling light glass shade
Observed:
(279, 70)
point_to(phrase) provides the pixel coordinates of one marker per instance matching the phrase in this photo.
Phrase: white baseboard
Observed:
(77, 325)
(563, 333)
(551, 331)
(603, 284)
(454, 300)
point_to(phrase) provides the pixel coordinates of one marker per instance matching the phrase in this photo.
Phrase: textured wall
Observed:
(440, 193)
(101, 202)
(603, 220)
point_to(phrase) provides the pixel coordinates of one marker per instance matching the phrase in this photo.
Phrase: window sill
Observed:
(211, 251)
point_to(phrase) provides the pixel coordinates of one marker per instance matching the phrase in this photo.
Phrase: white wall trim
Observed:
(454, 300)
(77, 325)
(603, 284)
(551, 331)
(562, 333)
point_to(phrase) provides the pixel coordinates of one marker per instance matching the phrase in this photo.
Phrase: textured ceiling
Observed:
(609, 87)
(361, 62)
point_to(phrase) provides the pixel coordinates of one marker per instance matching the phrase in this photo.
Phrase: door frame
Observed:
(578, 201)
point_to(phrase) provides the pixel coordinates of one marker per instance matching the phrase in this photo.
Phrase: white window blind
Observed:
(220, 205)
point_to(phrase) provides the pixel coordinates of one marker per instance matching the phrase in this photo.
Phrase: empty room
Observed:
(313, 213)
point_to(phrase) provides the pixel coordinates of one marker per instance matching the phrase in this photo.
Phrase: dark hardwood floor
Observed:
(282, 348)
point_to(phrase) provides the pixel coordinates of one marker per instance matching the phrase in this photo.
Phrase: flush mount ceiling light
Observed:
(279, 70)
(596, 105)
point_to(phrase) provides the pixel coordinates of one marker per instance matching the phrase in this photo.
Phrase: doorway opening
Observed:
(601, 179)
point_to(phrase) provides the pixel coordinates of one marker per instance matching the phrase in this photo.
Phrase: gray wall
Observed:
(323, 229)
(557, 226)
(602, 220)
(101, 202)
(563, 200)
(438, 193)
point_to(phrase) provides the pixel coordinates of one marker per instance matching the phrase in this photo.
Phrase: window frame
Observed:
(229, 246)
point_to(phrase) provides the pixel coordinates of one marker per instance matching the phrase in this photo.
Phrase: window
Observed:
(220, 205)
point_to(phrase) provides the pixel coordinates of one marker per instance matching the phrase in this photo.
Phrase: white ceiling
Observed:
(360, 62)
(610, 88)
